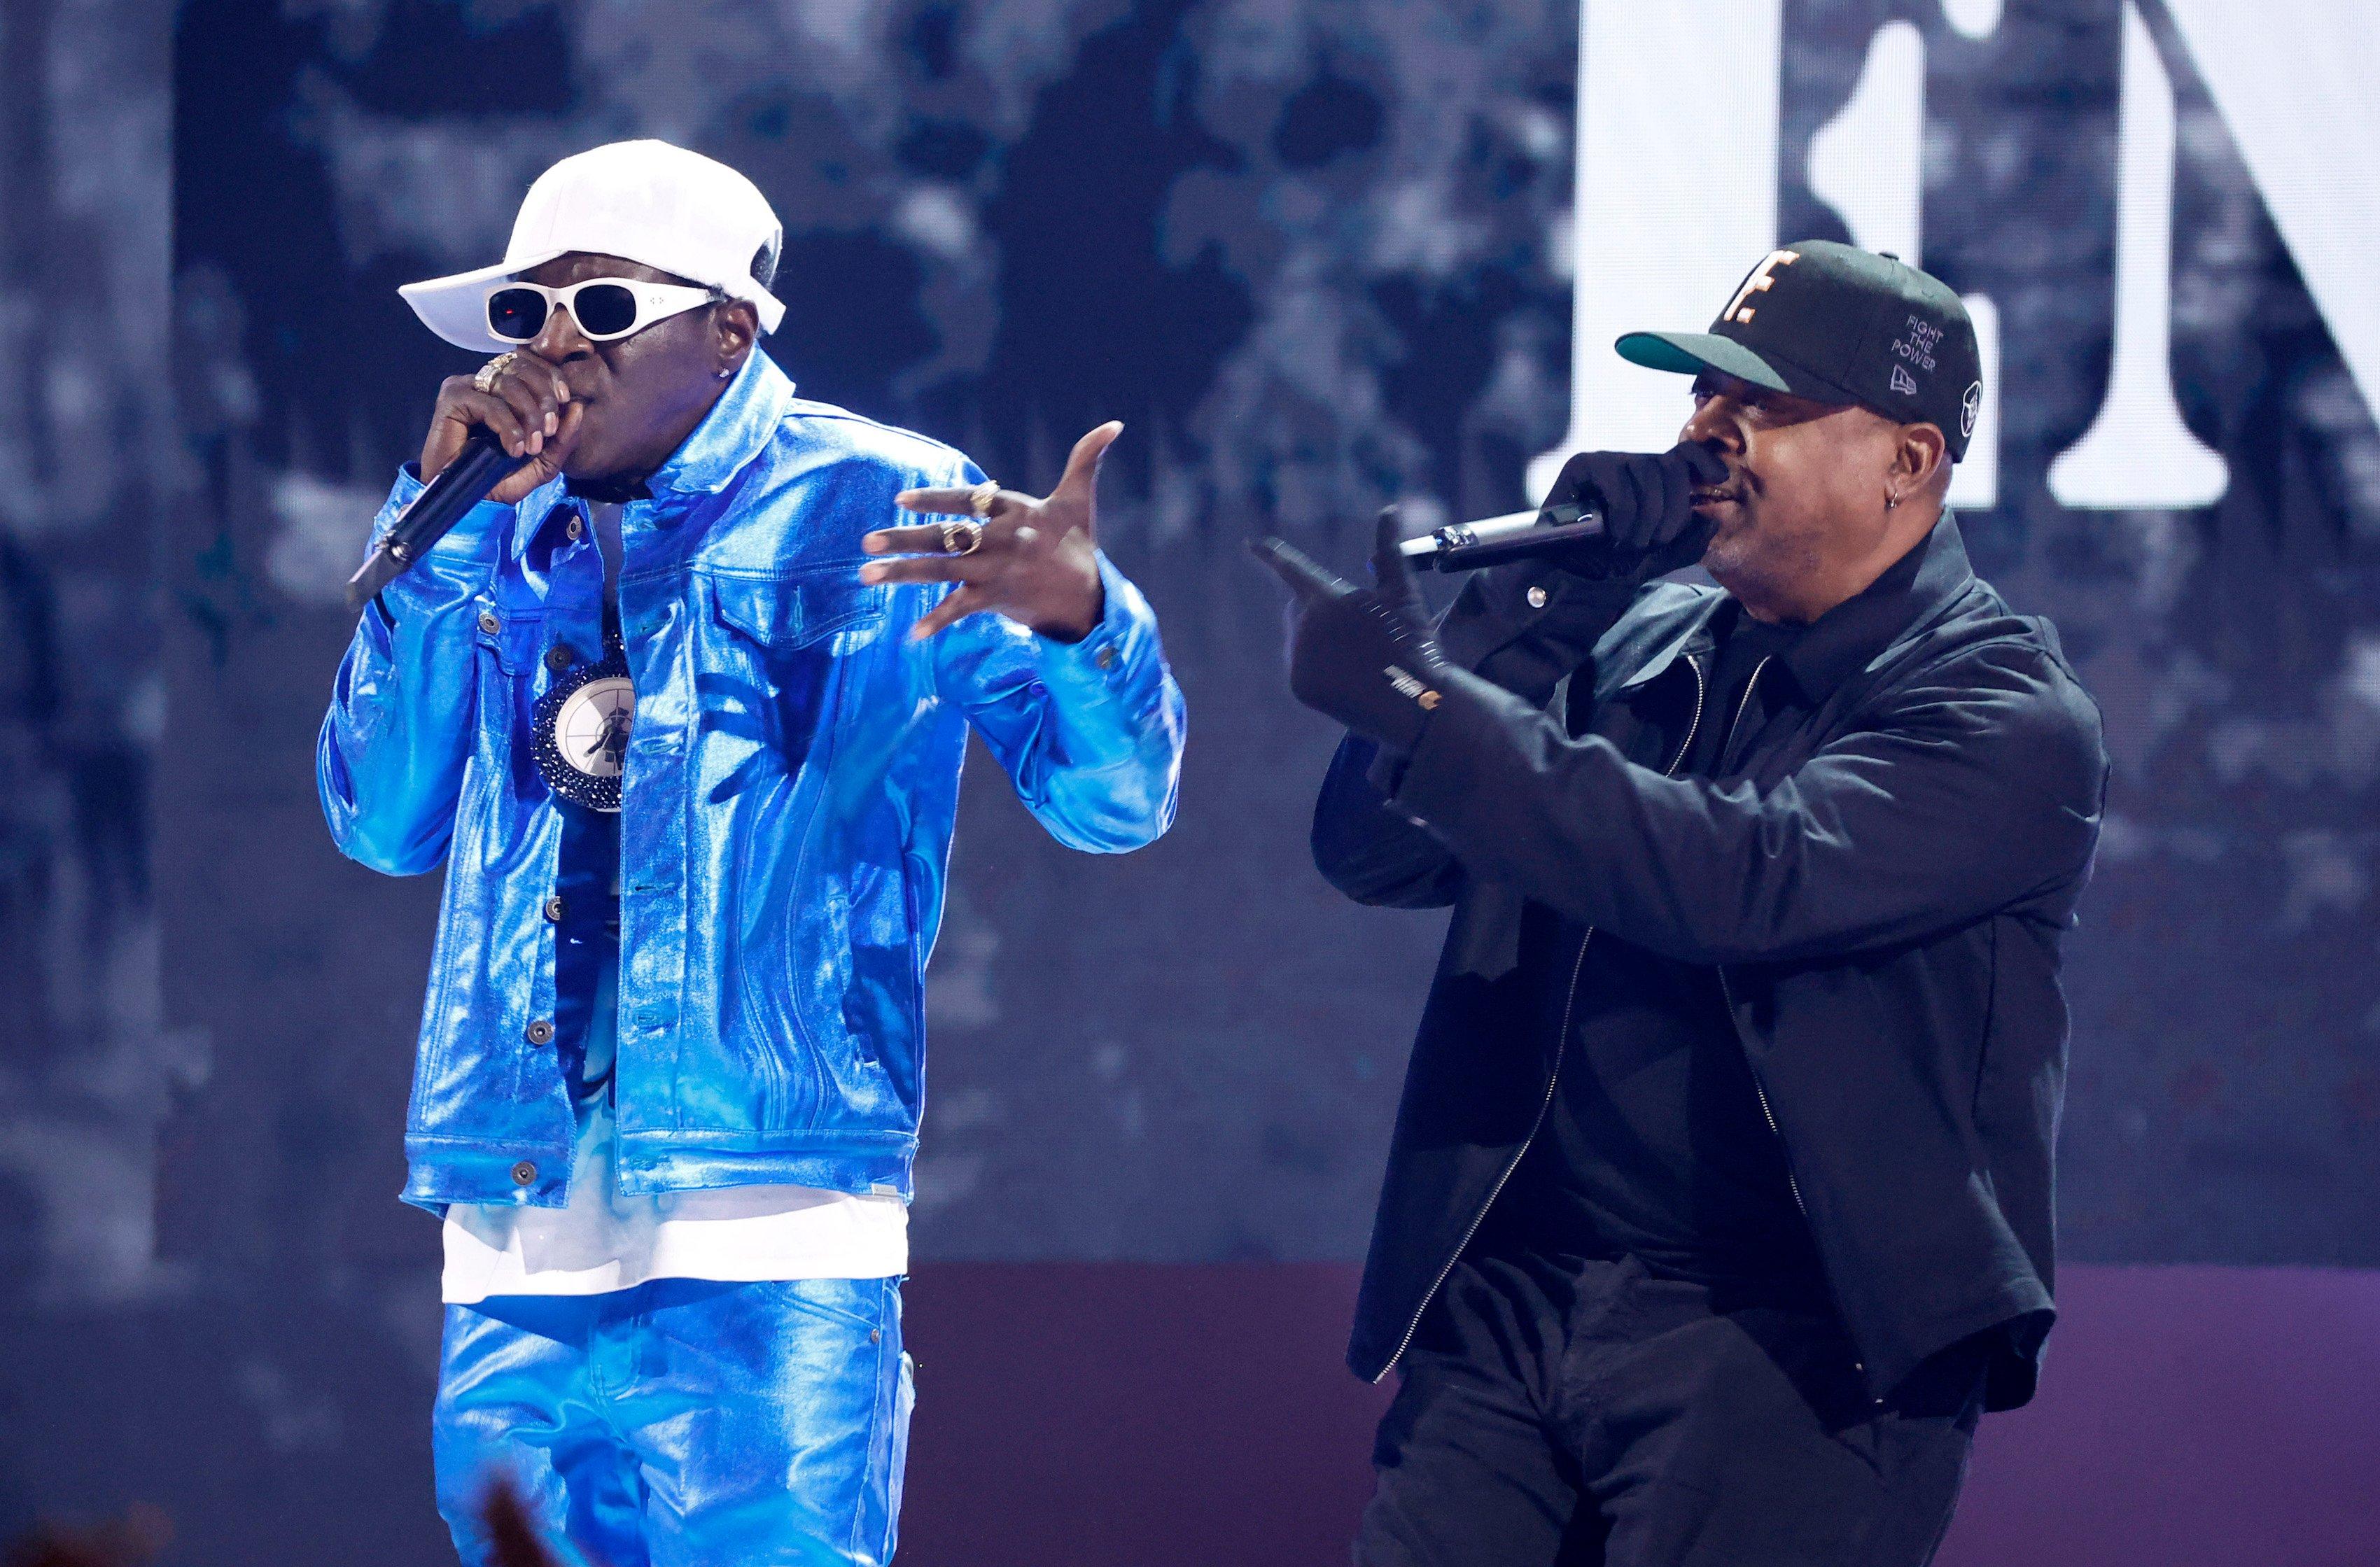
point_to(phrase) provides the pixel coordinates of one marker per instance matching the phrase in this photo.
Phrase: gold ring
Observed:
(962, 537)
(486, 380)
(982, 496)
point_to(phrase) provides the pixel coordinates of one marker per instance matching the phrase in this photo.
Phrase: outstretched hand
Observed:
(1037, 561)
(1365, 656)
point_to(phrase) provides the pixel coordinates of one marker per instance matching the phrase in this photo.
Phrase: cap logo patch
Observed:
(1916, 344)
(1970, 408)
(1903, 383)
(1762, 278)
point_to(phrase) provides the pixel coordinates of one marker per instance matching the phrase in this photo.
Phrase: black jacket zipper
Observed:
(1725, 745)
(1561, 1044)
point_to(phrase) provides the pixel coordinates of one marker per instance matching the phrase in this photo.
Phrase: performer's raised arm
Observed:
(1052, 652)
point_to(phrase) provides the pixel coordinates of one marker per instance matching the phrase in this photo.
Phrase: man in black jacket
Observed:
(1719, 1203)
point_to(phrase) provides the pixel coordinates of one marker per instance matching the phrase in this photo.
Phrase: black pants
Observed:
(1602, 1415)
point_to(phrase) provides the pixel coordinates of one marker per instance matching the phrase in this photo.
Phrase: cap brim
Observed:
(455, 307)
(1691, 353)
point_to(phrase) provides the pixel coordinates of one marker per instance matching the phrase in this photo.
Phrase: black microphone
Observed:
(479, 467)
(1467, 546)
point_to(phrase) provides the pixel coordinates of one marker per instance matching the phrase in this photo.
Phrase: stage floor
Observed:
(2189, 1418)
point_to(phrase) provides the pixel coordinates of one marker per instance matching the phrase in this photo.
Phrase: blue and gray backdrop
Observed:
(1315, 256)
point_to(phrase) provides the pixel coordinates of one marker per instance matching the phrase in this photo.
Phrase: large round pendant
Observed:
(582, 732)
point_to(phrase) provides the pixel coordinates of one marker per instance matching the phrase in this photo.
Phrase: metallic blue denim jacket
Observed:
(789, 794)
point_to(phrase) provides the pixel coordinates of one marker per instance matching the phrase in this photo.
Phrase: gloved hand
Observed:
(1365, 656)
(1649, 526)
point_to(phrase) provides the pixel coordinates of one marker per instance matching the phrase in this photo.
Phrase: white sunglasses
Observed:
(605, 309)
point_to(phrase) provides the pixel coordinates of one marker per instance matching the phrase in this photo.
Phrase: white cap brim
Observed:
(455, 307)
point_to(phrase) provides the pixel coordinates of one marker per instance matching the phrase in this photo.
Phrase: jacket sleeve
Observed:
(1090, 731)
(1367, 848)
(389, 762)
(1374, 851)
(1976, 789)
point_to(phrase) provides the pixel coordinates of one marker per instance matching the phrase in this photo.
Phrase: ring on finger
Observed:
(981, 497)
(962, 537)
(486, 380)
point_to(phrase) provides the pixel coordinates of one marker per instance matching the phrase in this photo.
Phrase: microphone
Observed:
(479, 467)
(1468, 546)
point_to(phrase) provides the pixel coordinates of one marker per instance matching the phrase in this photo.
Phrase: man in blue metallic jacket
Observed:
(691, 761)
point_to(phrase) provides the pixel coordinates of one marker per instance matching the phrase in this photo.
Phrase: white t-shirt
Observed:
(606, 1240)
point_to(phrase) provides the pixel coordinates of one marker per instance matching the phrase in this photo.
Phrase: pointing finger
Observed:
(1390, 568)
(1310, 582)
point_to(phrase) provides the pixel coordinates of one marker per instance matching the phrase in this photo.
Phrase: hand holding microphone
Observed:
(1625, 514)
(1650, 528)
(1369, 657)
(524, 403)
(493, 436)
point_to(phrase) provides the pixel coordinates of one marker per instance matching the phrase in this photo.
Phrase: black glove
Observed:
(1365, 656)
(1649, 526)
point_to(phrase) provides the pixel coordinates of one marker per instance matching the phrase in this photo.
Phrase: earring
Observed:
(1890, 500)
(728, 372)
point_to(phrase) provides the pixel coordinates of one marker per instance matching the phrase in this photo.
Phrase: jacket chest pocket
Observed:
(768, 680)
(785, 614)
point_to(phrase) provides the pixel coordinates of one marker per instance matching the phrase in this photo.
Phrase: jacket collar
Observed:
(1849, 637)
(730, 436)
(1690, 633)
(1910, 592)
(732, 433)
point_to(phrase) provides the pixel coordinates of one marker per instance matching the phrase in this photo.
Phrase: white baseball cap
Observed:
(644, 202)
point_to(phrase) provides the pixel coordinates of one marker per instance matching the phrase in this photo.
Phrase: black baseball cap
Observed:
(1839, 324)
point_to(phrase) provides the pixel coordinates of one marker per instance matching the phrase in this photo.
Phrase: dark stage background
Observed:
(1315, 256)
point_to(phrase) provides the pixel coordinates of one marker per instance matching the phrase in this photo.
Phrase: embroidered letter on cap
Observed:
(1761, 280)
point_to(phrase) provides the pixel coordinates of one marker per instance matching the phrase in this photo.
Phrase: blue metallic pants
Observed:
(683, 1421)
